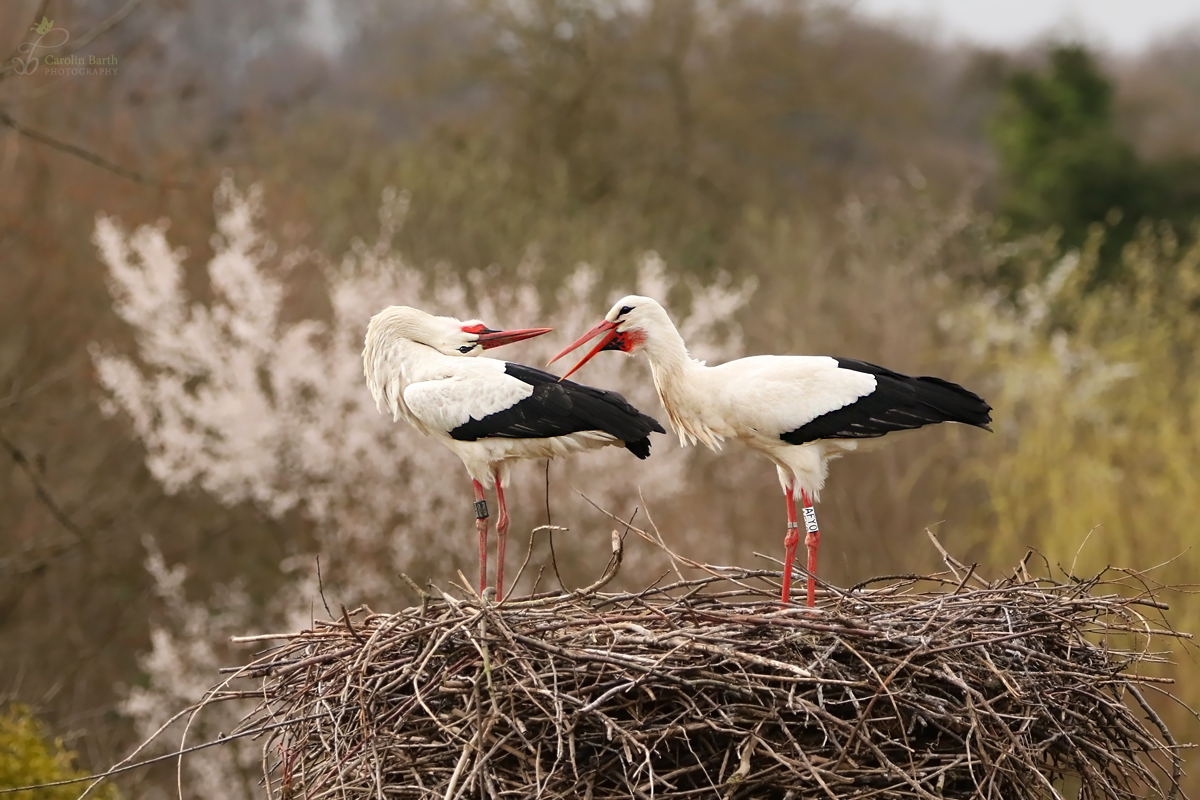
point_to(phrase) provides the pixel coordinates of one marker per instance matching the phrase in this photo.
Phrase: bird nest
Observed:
(942, 686)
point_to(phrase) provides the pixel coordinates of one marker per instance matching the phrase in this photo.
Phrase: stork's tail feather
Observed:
(950, 402)
(941, 401)
(648, 425)
(616, 416)
(640, 448)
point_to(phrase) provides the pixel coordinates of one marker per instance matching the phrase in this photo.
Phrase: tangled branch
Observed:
(921, 688)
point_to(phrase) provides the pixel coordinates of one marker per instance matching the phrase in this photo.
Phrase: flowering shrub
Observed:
(232, 399)
(1096, 391)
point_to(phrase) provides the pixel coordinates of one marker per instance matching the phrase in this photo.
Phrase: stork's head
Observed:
(627, 326)
(447, 335)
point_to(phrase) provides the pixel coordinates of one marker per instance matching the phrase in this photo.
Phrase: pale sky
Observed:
(1122, 25)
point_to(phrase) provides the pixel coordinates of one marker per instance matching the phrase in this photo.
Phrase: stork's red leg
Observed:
(789, 543)
(501, 539)
(481, 525)
(812, 538)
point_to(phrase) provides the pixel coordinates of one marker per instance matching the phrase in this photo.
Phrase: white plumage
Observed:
(424, 369)
(799, 411)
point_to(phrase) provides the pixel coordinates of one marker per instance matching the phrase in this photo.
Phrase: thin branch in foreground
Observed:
(89, 156)
(39, 488)
(99, 776)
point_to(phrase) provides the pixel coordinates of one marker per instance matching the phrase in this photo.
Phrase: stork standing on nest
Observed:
(799, 411)
(489, 412)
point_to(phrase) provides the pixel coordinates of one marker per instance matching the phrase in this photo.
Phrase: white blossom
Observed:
(232, 399)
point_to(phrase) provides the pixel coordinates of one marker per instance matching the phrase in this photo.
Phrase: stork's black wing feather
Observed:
(899, 402)
(558, 408)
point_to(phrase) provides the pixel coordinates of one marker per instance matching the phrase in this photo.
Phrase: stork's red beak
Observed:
(609, 329)
(489, 338)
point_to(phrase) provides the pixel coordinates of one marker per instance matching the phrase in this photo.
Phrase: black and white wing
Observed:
(488, 399)
(897, 402)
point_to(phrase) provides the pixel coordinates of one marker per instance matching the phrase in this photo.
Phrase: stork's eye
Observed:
(466, 348)
(624, 310)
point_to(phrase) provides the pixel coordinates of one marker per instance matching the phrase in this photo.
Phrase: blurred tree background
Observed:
(1021, 222)
(1065, 165)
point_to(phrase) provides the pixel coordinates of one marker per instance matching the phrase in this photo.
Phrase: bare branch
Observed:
(89, 156)
(39, 488)
(105, 26)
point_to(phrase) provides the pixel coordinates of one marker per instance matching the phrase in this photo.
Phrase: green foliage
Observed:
(29, 756)
(1060, 153)
(1066, 166)
(1097, 409)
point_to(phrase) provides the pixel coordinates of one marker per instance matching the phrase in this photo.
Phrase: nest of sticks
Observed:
(942, 686)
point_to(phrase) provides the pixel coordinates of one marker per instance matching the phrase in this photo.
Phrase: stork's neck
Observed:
(391, 364)
(668, 355)
(676, 379)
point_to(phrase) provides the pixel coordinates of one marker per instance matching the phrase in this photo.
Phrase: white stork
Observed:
(489, 412)
(799, 411)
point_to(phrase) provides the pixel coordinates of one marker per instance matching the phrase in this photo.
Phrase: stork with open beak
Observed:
(798, 411)
(425, 369)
